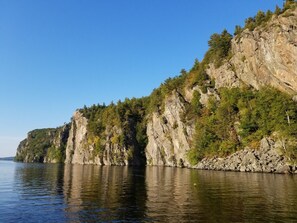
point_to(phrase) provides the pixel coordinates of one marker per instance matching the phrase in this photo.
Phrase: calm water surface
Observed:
(77, 193)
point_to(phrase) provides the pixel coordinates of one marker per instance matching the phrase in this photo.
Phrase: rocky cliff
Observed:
(168, 134)
(83, 147)
(44, 145)
(164, 128)
(265, 56)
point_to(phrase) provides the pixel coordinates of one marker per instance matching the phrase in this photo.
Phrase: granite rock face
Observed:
(169, 134)
(264, 56)
(268, 158)
(78, 150)
(81, 148)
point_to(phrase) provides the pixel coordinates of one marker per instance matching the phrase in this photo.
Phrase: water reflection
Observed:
(104, 193)
(86, 193)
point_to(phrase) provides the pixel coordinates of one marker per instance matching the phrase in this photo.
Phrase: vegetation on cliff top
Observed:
(262, 18)
(44, 144)
(240, 118)
(38, 141)
(124, 124)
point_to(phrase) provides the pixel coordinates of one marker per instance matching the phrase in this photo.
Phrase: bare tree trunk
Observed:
(288, 118)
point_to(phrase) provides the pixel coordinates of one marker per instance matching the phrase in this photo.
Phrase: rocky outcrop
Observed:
(264, 56)
(44, 145)
(169, 135)
(56, 153)
(269, 158)
(82, 148)
(78, 150)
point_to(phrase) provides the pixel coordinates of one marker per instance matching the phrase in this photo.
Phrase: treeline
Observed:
(263, 17)
(38, 145)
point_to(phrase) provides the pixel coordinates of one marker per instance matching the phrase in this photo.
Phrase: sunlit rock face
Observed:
(169, 134)
(81, 149)
(264, 56)
(268, 158)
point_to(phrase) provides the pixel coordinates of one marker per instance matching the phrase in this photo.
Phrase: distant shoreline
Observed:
(7, 158)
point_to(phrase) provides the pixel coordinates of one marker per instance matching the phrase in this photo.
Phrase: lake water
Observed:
(77, 193)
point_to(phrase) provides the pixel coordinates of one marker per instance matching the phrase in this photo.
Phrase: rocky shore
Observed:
(267, 159)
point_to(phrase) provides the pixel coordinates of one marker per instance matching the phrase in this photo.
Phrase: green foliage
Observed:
(219, 48)
(250, 114)
(289, 4)
(37, 144)
(193, 109)
(195, 103)
(123, 124)
(289, 148)
(262, 18)
(250, 23)
(57, 154)
(238, 30)
(269, 111)
(155, 102)
(277, 10)
(99, 148)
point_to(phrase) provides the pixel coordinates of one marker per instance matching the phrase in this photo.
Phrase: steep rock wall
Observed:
(168, 135)
(82, 149)
(264, 56)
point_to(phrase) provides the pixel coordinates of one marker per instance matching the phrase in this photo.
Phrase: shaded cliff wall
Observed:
(44, 145)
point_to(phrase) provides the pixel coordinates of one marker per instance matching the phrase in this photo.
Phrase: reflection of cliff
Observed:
(90, 193)
(230, 196)
(38, 194)
(182, 195)
(46, 178)
(169, 194)
(104, 193)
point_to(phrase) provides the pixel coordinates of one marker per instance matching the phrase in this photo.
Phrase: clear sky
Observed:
(59, 55)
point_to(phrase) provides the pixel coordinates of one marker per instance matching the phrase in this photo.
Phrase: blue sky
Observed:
(57, 56)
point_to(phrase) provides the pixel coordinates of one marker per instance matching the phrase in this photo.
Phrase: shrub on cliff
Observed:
(219, 48)
(241, 118)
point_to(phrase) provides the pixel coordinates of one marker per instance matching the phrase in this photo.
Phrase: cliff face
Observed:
(44, 145)
(77, 149)
(168, 134)
(264, 56)
(85, 149)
